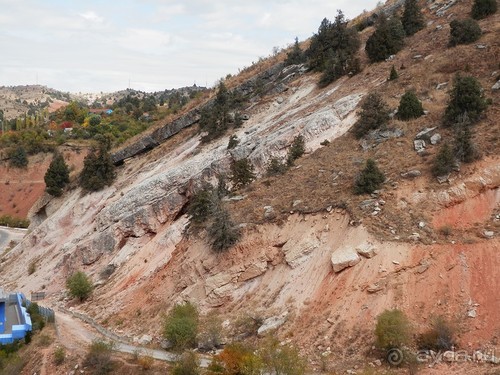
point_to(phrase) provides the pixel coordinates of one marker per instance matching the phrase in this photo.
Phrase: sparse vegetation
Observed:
(13, 222)
(393, 330)
(201, 205)
(187, 365)
(369, 179)
(98, 357)
(79, 285)
(59, 356)
(393, 75)
(296, 150)
(233, 142)
(281, 359)
(374, 115)
(483, 8)
(275, 167)
(32, 267)
(439, 337)
(242, 173)
(464, 32)
(443, 162)
(181, 326)
(409, 107)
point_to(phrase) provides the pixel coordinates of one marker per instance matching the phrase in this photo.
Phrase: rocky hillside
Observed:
(315, 262)
(16, 101)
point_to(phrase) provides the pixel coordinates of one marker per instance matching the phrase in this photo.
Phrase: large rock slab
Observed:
(217, 281)
(297, 251)
(272, 323)
(253, 270)
(343, 258)
(367, 249)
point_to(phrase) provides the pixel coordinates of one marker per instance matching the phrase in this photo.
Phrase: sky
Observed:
(102, 45)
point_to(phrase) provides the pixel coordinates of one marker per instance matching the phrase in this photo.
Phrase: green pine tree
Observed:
(98, 170)
(394, 74)
(464, 148)
(374, 115)
(409, 107)
(57, 176)
(296, 55)
(386, 40)
(466, 97)
(369, 179)
(412, 20)
(18, 157)
(483, 8)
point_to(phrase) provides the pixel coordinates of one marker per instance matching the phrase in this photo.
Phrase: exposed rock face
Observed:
(253, 270)
(344, 257)
(148, 142)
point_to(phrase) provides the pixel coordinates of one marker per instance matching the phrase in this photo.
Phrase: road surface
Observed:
(76, 335)
(10, 234)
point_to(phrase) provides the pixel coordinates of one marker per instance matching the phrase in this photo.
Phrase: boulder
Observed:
(253, 270)
(496, 86)
(435, 139)
(419, 145)
(343, 258)
(443, 179)
(272, 323)
(367, 249)
(217, 281)
(269, 212)
(297, 251)
(411, 174)
(145, 340)
(488, 234)
(426, 134)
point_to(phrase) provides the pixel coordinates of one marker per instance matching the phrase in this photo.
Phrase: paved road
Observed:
(77, 335)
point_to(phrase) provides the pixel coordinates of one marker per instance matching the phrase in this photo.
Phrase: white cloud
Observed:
(92, 17)
(94, 45)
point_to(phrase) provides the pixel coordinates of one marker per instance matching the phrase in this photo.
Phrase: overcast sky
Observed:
(93, 46)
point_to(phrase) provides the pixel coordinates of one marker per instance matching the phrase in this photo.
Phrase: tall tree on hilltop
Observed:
(386, 40)
(333, 49)
(296, 55)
